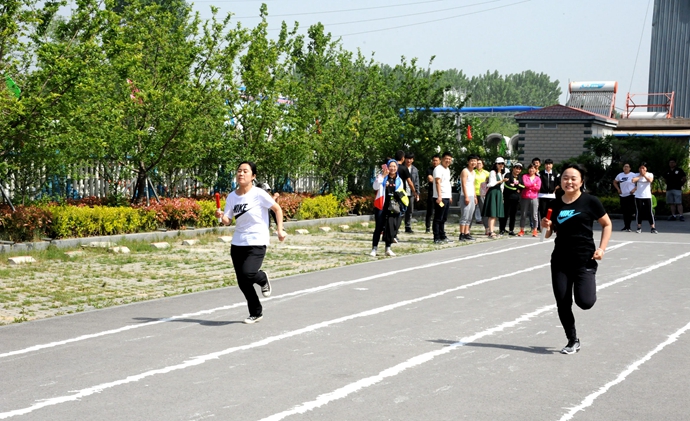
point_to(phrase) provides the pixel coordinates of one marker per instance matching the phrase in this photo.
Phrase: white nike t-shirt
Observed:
(250, 211)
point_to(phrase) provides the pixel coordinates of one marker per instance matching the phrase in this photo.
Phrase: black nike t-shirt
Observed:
(573, 222)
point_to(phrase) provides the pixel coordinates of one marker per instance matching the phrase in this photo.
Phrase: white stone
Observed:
(19, 260)
(160, 246)
(225, 239)
(325, 229)
(119, 250)
(365, 224)
(189, 242)
(302, 231)
(74, 253)
(344, 227)
(102, 244)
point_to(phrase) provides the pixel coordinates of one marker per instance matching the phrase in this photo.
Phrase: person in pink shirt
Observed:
(529, 200)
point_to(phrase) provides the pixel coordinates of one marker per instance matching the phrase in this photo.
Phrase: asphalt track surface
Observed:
(461, 333)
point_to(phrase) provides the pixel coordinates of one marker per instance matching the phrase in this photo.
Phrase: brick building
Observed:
(559, 132)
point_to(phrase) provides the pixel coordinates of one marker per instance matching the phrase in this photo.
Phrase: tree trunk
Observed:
(141, 187)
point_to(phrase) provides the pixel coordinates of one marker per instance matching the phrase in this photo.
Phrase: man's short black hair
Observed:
(672, 159)
(548, 161)
(399, 155)
(409, 155)
(435, 156)
(447, 153)
(471, 157)
(536, 159)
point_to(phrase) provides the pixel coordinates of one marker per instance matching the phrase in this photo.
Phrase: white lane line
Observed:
(426, 357)
(397, 369)
(589, 400)
(654, 242)
(201, 359)
(242, 304)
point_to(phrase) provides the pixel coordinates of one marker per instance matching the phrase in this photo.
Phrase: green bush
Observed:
(611, 204)
(207, 214)
(320, 207)
(71, 221)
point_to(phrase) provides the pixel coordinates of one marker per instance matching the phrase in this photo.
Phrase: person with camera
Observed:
(390, 202)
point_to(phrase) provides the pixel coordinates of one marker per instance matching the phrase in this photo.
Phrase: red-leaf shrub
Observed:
(359, 205)
(25, 224)
(174, 213)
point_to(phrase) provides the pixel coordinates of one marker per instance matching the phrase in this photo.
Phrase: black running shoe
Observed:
(654, 231)
(572, 347)
(512, 233)
(469, 237)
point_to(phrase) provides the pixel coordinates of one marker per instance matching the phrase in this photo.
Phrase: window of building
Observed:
(550, 125)
(533, 125)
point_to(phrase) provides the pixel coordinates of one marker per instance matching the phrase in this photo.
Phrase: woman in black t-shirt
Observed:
(573, 261)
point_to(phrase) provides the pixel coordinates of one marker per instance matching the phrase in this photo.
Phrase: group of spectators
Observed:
(635, 193)
(494, 196)
(490, 196)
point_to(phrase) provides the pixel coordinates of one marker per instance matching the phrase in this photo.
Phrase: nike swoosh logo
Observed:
(562, 220)
(241, 213)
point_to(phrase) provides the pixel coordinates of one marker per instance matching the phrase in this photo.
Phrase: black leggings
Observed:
(247, 261)
(578, 280)
(644, 211)
(510, 208)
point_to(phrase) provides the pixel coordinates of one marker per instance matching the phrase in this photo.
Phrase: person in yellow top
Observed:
(480, 177)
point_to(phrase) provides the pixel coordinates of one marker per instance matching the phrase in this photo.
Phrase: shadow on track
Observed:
(200, 322)
(531, 349)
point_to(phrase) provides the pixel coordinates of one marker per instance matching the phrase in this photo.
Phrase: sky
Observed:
(583, 40)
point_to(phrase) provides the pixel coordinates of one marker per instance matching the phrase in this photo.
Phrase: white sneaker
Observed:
(252, 319)
(266, 289)
(373, 252)
(389, 253)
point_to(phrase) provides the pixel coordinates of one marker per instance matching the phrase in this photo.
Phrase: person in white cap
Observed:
(493, 202)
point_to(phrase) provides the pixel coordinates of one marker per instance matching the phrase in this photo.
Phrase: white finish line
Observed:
(242, 304)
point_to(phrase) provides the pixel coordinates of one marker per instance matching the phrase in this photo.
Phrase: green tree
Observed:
(265, 125)
(156, 106)
(47, 57)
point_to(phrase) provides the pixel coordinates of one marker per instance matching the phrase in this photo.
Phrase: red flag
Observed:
(469, 132)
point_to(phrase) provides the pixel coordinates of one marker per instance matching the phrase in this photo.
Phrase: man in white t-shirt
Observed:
(643, 198)
(443, 196)
(625, 186)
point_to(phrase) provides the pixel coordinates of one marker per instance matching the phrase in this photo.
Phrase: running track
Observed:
(461, 333)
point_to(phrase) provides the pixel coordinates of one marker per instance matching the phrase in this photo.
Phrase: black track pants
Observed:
(247, 261)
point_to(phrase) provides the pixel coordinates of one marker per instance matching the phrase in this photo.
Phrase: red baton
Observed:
(218, 206)
(543, 230)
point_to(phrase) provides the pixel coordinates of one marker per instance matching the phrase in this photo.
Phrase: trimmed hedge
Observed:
(321, 207)
(612, 204)
(73, 221)
(90, 217)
